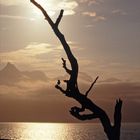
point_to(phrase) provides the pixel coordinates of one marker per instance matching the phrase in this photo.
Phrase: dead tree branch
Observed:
(72, 90)
(59, 18)
(65, 66)
(91, 86)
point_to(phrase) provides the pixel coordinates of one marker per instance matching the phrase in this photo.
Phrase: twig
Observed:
(91, 86)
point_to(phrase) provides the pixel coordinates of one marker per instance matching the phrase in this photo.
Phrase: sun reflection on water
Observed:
(41, 131)
(51, 131)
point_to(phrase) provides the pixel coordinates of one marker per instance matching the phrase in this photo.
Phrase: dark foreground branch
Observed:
(82, 117)
(43, 12)
(91, 86)
(112, 132)
(59, 18)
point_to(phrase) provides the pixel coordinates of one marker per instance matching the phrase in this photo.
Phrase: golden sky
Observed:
(104, 37)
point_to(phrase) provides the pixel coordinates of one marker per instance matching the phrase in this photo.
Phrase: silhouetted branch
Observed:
(91, 85)
(73, 61)
(117, 113)
(112, 132)
(117, 118)
(82, 117)
(65, 66)
(60, 88)
(118, 106)
(59, 18)
(44, 12)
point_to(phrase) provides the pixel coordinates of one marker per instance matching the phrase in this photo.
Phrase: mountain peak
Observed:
(10, 68)
(10, 74)
(10, 65)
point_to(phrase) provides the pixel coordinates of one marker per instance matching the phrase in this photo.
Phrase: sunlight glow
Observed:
(48, 5)
(54, 6)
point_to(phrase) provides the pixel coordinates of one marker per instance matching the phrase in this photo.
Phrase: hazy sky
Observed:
(104, 35)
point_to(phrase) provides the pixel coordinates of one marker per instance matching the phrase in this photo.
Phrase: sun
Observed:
(48, 5)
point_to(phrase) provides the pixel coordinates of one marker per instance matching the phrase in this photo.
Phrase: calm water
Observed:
(63, 131)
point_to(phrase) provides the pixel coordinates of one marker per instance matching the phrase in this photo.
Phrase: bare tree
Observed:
(72, 90)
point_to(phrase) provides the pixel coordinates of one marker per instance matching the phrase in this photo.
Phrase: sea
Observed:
(64, 131)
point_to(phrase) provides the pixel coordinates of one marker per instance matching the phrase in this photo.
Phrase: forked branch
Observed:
(112, 132)
(83, 117)
(59, 18)
(44, 12)
(91, 86)
(65, 66)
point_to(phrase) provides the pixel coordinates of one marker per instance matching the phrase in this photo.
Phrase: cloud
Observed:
(36, 50)
(68, 6)
(100, 18)
(15, 17)
(91, 2)
(32, 56)
(125, 90)
(39, 56)
(89, 26)
(119, 11)
(94, 15)
(84, 77)
(51, 6)
(28, 89)
(10, 2)
(91, 14)
(29, 52)
(111, 80)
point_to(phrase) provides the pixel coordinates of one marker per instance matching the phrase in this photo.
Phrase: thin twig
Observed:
(59, 18)
(91, 86)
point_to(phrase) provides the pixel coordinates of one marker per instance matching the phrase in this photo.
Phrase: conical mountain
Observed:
(9, 74)
(10, 69)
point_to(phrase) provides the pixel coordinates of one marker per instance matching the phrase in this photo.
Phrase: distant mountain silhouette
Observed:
(35, 75)
(10, 68)
(10, 75)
